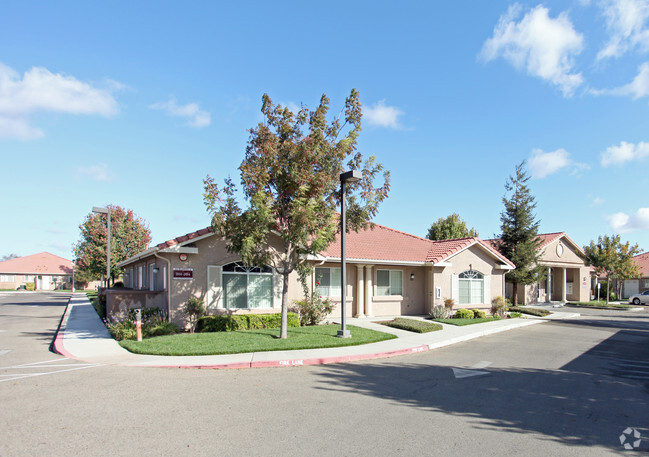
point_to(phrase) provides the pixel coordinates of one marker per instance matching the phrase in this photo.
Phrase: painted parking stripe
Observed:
(18, 376)
(4, 351)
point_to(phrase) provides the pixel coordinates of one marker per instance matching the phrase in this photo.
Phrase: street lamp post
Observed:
(349, 176)
(106, 211)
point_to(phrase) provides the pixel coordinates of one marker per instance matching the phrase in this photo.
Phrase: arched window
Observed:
(247, 287)
(471, 288)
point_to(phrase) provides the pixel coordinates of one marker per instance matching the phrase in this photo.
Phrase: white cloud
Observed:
(597, 201)
(383, 115)
(196, 117)
(623, 223)
(40, 90)
(624, 152)
(543, 164)
(543, 46)
(637, 88)
(99, 172)
(626, 23)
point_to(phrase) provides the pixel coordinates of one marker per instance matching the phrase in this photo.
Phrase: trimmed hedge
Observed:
(414, 325)
(530, 311)
(231, 323)
(479, 314)
(463, 313)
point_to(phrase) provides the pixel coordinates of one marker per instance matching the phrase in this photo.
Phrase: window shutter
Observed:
(487, 289)
(214, 288)
(455, 288)
(278, 283)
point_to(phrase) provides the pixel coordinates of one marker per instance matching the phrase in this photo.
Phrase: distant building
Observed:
(46, 271)
(640, 284)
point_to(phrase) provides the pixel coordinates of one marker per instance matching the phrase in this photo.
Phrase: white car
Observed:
(639, 298)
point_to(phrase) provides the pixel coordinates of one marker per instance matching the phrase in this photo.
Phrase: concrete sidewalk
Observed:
(83, 336)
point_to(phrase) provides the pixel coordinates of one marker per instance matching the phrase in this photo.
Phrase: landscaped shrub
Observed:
(154, 323)
(194, 310)
(515, 314)
(414, 325)
(438, 312)
(479, 314)
(230, 323)
(449, 303)
(530, 311)
(463, 314)
(499, 307)
(30, 286)
(313, 310)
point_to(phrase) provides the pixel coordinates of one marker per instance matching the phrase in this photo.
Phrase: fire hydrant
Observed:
(138, 324)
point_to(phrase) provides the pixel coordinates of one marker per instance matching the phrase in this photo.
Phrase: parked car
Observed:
(640, 298)
(21, 287)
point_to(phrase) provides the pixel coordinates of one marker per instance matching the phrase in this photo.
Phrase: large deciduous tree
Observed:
(449, 228)
(290, 179)
(129, 235)
(612, 258)
(519, 240)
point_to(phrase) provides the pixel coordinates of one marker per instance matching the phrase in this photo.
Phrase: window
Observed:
(328, 282)
(140, 281)
(645, 283)
(471, 288)
(29, 278)
(389, 282)
(247, 287)
(7, 278)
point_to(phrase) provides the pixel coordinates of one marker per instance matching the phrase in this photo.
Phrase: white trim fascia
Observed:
(180, 249)
(504, 267)
(442, 264)
(377, 262)
(137, 257)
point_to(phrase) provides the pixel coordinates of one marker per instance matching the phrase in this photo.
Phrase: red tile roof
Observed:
(642, 260)
(384, 243)
(41, 263)
(182, 239)
(546, 239)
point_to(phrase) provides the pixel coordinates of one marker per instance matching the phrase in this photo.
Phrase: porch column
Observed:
(368, 291)
(360, 289)
(565, 285)
(549, 284)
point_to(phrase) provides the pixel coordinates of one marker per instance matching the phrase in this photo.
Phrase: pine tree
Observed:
(519, 241)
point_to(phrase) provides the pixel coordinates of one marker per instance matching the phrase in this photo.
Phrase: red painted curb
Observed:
(58, 345)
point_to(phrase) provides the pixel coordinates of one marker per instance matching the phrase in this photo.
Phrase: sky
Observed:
(135, 103)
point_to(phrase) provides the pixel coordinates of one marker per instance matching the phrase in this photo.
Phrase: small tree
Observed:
(519, 241)
(449, 228)
(613, 259)
(194, 310)
(129, 235)
(290, 178)
(8, 257)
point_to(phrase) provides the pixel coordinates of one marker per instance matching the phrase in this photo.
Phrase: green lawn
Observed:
(598, 304)
(413, 325)
(530, 311)
(320, 336)
(461, 322)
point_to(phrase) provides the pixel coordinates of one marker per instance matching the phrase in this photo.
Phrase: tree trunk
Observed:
(283, 332)
(608, 288)
(515, 293)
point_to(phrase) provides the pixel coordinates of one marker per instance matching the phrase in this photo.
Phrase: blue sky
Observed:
(134, 103)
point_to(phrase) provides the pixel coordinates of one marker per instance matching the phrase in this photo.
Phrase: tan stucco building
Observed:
(567, 276)
(388, 273)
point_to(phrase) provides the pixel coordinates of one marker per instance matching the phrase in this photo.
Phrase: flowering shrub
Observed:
(499, 307)
(313, 309)
(439, 312)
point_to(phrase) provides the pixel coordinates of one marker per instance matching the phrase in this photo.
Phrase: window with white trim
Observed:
(471, 288)
(389, 282)
(247, 287)
(327, 282)
(645, 283)
(29, 278)
(7, 278)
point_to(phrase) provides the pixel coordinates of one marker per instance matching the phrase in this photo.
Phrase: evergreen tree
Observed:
(450, 228)
(519, 240)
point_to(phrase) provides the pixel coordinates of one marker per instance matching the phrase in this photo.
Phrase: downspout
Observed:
(168, 283)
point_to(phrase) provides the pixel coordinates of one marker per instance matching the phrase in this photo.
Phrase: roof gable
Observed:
(41, 263)
(642, 261)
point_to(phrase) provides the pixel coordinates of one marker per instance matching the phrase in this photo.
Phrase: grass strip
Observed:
(414, 325)
(530, 311)
(260, 340)
(461, 322)
(598, 305)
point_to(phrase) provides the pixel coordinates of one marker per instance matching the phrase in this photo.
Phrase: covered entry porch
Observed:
(562, 284)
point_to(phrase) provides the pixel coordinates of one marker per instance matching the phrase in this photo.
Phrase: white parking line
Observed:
(4, 351)
(53, 365)
(30, 375)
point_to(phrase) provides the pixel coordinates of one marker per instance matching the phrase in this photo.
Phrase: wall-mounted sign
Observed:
(182, 257)
(183, 273)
